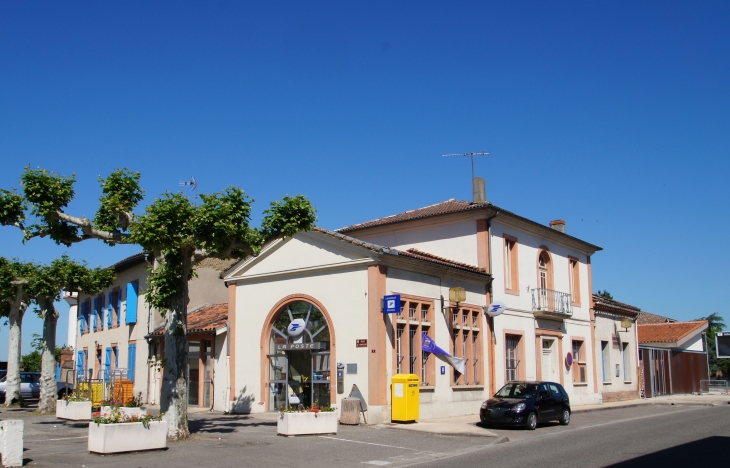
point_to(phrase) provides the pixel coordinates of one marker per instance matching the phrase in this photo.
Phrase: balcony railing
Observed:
(551, 303)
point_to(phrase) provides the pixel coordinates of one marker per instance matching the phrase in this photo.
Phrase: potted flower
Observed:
(114, 432)
(131, 408)
(74, 407)
(298, 420)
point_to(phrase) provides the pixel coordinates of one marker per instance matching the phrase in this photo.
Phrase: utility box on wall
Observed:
(405, 397)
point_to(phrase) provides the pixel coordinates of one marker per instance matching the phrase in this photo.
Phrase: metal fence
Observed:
(115, 387)
(715, 386)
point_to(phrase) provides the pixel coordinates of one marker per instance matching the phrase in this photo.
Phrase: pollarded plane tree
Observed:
(31, 285)
(178, 234)
(14, 301)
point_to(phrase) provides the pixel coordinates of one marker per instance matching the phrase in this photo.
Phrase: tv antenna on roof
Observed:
(193, 184)
(478, 185)
(470, 155)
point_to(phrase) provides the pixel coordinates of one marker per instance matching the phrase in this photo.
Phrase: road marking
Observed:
(377, 462)
(369, 443)
(62, 438)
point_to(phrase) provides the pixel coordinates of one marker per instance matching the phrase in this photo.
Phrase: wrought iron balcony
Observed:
(551, 304)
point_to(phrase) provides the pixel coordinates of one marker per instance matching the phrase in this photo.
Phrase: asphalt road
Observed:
(642, 436)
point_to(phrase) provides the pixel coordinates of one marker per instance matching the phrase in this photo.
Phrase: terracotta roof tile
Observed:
(669, 332)
(647, 317)
(204, 319)
(602, 303)
(415, 253)
(449, 206)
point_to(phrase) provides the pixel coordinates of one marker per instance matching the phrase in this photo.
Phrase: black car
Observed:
(526, 404)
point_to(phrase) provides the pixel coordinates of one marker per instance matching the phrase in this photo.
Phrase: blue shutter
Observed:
(58, 372)
(80, 365)
(107, 364)
(101, 312)
(109, 311)
(96, 313)
(130, 365)
(119, 306)
(83, 317)
(131, 316)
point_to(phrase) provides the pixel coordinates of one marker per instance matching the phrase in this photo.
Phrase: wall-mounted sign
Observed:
(722, 344)
(457, 295)
(296, 327)
(626, 323)
(569, 359)
(495, 308)
(299, 346)
(361, 343)
(443, 370)
(391, 304)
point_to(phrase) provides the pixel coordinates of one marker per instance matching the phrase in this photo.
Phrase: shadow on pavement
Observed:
(703, 451)
(226, 424)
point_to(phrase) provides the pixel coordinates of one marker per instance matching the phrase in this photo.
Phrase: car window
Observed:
(25, 378)
(36, 378)
(556, 391)
(544, 392)
(517, 390)
(2, 379)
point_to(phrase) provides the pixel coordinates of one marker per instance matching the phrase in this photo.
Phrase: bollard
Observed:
(11, 442)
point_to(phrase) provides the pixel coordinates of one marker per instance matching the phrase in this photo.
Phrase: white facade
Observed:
(544, 339)
(347, 282)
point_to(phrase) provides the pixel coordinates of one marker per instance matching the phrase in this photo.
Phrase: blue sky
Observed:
(613, 116)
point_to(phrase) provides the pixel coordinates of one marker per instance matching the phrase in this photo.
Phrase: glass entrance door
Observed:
(300, 378)
(193, 372)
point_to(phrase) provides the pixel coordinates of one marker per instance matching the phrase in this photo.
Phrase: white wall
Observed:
(694, 344)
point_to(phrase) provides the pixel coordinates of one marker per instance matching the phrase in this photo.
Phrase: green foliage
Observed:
(165, 282)
(120, 194)
(605, 294)
(223, 217)
(715, 324)
(31, 362)
(12, 207)
(39, 344)
(165, 224)
(287, 218)
(48, 193)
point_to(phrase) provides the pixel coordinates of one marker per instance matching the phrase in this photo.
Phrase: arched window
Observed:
(299, 357)
(545, 280)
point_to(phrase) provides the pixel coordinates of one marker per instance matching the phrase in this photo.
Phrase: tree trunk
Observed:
(49, 389)
(12, 387)
(174, 391)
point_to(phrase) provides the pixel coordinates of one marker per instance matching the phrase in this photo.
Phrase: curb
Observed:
(635, 405)
(498, 438)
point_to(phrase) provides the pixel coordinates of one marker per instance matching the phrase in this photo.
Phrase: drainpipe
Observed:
(707, 358)
(493, 340)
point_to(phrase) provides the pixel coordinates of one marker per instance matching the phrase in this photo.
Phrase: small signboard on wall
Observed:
(361, 343)
(391, 304)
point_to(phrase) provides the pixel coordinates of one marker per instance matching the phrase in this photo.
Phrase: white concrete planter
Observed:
(127, 437)
(291, 424)
(74, 410)
(126, 412)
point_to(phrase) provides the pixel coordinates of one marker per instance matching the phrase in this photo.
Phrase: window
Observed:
(415, 318)
(88, 318)
(574, 276)
(467, 344)
(579, 363)
(625, 360)
(545, 281)
(131, 357)
(511, 277)
(605, 361)
(512, 354)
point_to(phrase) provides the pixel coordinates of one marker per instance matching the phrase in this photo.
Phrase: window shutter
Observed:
(119, 306)
(107, 364)
(131, 357)
(131, 315)
(101, 312)
(96, 313)
(80, 364)
(83, 317)
(109, 311)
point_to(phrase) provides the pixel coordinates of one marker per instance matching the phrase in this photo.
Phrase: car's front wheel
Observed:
(565, 417)
(531, 422)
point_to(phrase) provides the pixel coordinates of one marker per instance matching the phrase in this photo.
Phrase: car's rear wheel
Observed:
(531, 422)
(565, 417)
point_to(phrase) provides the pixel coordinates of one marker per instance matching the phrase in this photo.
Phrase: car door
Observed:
(559, 398)
(35, 385)
(545, 403)
(26, 381)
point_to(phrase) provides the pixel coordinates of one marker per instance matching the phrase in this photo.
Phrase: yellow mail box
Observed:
(405, 397)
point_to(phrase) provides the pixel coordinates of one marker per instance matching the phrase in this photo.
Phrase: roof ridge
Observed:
(673, 323)
(428, 254)
(403, 213)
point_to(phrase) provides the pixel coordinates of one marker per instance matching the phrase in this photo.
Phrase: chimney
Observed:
(479, 190)
(558, 225)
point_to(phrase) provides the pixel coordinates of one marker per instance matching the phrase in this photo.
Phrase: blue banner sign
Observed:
(391, 304)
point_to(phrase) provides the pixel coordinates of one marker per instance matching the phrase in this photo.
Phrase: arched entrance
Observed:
(298, 351)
